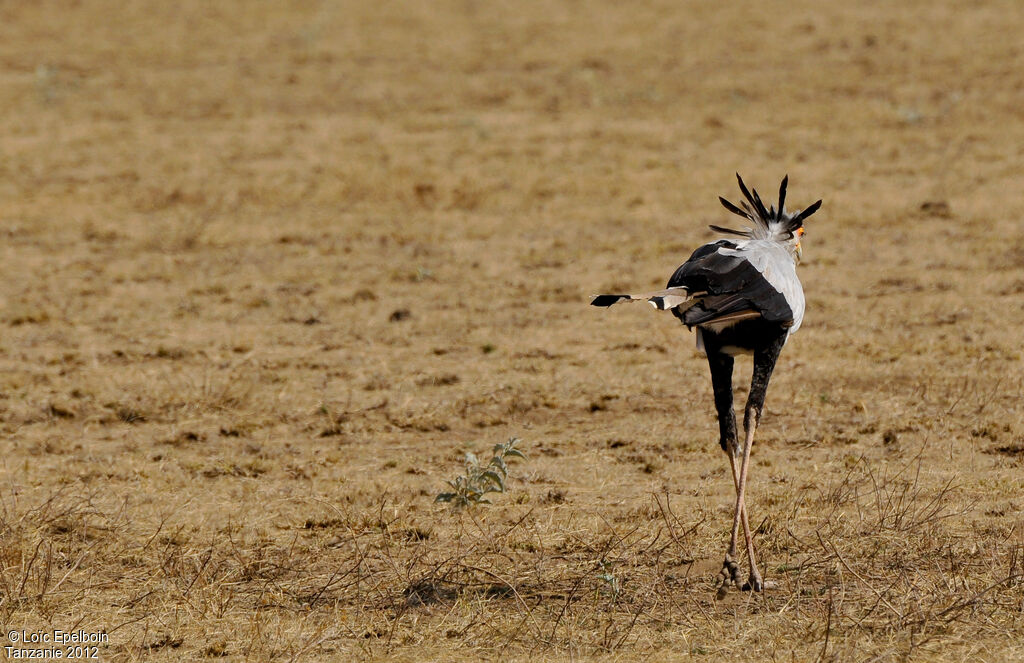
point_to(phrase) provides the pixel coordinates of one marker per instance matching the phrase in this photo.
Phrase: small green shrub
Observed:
(472, 487)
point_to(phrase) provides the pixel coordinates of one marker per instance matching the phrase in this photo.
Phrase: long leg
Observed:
(740, 514)
(733, 458)
(754, 583)
(764, 364)
(734, 570)
(721, 366)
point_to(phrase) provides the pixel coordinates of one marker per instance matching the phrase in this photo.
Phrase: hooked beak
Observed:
(799, 251)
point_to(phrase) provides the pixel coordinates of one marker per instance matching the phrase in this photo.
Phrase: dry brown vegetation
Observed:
(271, 269)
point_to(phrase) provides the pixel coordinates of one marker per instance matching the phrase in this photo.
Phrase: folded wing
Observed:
(736, 280)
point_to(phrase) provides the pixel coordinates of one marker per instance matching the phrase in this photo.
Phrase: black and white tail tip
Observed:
(662, 300)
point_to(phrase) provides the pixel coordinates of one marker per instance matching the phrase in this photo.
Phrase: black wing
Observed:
(734, 289)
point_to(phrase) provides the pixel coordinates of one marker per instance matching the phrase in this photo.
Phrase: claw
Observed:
(754, 583)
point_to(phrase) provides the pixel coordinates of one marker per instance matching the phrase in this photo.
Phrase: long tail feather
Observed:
(608, 300)
(662, 300)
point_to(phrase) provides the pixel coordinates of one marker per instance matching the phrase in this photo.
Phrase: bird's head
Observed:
(797, 249)
(770, 223)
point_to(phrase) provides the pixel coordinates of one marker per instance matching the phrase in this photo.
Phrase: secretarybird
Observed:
(744, 297)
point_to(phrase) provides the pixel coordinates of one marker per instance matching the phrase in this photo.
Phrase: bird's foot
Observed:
(730, 576)
(734, 569)
(723, 588)
(754, 583)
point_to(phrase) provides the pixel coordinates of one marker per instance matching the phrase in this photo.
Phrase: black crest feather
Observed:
(732, 208)
(729, 231)
(807, 211)
(754, 200)
(765, 219)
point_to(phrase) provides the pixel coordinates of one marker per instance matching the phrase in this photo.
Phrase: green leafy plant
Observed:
(611, 582)
(472, 487)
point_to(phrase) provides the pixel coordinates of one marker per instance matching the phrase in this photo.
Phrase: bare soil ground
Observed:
(271, 269)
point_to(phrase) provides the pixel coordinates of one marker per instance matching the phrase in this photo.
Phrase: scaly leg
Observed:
(764, 364)
(721, 379)
(739, 517)
(730, 568)
(743, 519)
(755, 583)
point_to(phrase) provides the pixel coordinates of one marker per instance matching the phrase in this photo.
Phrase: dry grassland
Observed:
(270, 269)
